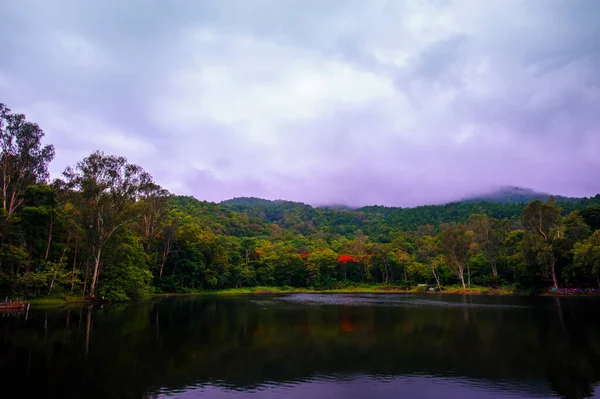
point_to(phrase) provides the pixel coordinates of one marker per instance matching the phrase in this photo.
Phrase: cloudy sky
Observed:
(339, 101)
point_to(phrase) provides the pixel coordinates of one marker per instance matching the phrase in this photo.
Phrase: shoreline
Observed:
(476, 291)
(349, 290)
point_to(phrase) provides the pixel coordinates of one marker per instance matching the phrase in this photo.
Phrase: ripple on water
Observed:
(395, 300)
(359, 386)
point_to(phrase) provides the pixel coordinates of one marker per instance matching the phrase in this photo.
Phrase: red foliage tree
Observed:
(345, 259)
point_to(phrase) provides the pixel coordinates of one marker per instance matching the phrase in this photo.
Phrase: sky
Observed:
(356, 102)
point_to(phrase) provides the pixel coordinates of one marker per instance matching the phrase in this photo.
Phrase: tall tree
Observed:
(110, 187)
(543, 228)
(428, 252)
(488, 237)
(455, 241)
(24, 160)
(153, 209)
(384, 257)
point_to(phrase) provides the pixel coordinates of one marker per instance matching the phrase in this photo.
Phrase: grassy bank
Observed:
(56, 301)
(458, 290)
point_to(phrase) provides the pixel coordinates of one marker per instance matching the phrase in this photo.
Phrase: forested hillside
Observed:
(375, 219)
(106, 229)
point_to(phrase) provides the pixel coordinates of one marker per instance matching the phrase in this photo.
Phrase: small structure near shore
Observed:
(12, 306)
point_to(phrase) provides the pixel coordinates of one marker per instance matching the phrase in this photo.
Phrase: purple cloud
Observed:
(381, 102)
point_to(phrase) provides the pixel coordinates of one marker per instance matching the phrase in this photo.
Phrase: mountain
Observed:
(249, 201)
(502, 195)
(254, 216)
(243, 202)
(514, 195)
(337, 207)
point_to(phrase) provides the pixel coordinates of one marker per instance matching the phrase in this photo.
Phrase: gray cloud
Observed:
(379, 102)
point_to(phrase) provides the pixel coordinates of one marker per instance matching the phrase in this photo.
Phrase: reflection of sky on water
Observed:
(351, 387)
(385, 299)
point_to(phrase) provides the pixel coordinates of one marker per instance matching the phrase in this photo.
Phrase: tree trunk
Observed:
(74, 264)
(64, 252)
(494, 269)
(387, 273)
(52, 281)
(462, 279)
(162, 265)
(469, 274)
(62, 257)
(87, 274)
(4, 182)
(49, 239)
(552, 269)
(14, 203)
(166, 252)
(95, 274)
(437, 278)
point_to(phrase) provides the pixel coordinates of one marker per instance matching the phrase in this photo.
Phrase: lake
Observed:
(306, 345)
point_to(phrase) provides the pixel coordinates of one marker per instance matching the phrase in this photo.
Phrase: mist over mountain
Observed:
(512, 194)
(502, 195)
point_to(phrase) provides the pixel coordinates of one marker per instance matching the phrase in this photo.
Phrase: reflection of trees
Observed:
(133, 350)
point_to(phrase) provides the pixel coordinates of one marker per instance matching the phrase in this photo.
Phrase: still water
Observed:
(306, 345)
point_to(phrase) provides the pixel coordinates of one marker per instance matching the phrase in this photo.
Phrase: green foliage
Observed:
(587, 256)
(591, 216)
(109, 231)
(126, 276)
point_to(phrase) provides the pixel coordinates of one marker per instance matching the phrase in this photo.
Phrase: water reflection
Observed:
(369, 387)
(300, 345)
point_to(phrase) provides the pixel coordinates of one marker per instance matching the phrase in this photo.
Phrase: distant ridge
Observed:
(250, 201)
(238, 202)
(502, 195)
(241, 202)
(338, 207)
(376, 221)
(514, 195)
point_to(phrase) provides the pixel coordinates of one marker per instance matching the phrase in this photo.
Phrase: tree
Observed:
(591, 216)
(488, 236)
(24, 160)
(576, 229)
(587, 256)
(515, 258)
(169, 234)
(428, 255)
(109, 187)
(455, 242)
(543, 228)
(321, 265)
(126, 273)
(382, 254)
(153, 209)
(403, 258)
(358, 248)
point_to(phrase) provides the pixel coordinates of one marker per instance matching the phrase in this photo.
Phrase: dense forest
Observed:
(106, 229)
